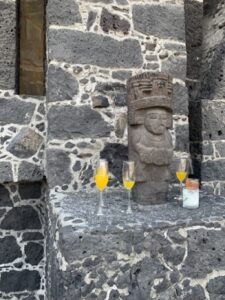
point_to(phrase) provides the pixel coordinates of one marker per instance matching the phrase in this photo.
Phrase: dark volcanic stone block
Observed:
(9, 250)
(182, 138)
(195, 112)
(89, 48)
(100, 101)
(115, 154)
(193, 27)
(21, 218)
(15, 111)
(121, 75)
(30, 172)
(22, 280)
(63, 13)
(34, 253)
(205, 247)
(76, 122)
(25, 144)
(30, 190)
(213, 73)
(32, 236)
(58, 168)
(113, 22)
(180, 99)
(4, 197)
(60, 85)
(175, 66)
(213, 123)
(216, 286)
(91, 19)
(8, 44)
(163, 21)
(213, 170)
(6, 171)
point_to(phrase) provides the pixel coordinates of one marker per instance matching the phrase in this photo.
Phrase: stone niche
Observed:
(158, 252)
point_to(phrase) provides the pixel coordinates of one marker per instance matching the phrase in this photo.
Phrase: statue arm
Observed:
(156, 156)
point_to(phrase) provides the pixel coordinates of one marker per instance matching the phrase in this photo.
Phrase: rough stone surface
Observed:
(6, 171)
(32, 236)
(175, 67)
(15, 111)
(182, 138)
(120, 126)
(216, 287)
(58, 164)
(5, 199)
(63, 13)
(34, 253)
(180, 99)
(76, 122)
(160, 248)
(21, 218)
(113, 22)
(121, 75)
(8, 44)
(164, 21)
(22, 280)
(91, 19)
(25, 144)
(212, 83)
(193, 27)
(212, 120)
(30, 172)
(9, 250)
(213, 170)
(30, 190)
(115, 154)
(100, 101)
(90, 48)
(61, 85)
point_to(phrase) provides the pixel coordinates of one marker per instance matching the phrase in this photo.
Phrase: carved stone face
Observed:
(156, 120)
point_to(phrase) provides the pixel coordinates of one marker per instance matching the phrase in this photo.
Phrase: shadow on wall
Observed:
(194, 37)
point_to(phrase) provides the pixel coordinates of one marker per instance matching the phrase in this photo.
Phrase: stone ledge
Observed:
(82, 206)
(158, 252)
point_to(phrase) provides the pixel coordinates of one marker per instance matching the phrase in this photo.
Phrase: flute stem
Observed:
(129, 210)
(100, 205)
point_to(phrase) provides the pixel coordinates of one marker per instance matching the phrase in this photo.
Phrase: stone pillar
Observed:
(212, 97)
(193, 28)
(93, 48)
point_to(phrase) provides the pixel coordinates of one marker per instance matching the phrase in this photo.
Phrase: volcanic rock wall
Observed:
(93, 47)
(22, 205)
(212, 95)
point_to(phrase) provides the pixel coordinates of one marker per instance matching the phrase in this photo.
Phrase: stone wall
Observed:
(22, 241)
(212, 96)
(157, 253)
(22, 118)
(93, 47)
(22, 194)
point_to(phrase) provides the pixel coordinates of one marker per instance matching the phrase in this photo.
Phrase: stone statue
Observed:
(149, 141)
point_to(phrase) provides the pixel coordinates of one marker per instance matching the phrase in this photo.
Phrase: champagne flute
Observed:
(128, 180)
(101, 180)
(181, 174)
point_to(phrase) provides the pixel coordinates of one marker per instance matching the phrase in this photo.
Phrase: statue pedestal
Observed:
(154, 253)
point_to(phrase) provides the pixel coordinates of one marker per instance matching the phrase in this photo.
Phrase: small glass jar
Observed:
(191, 194)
